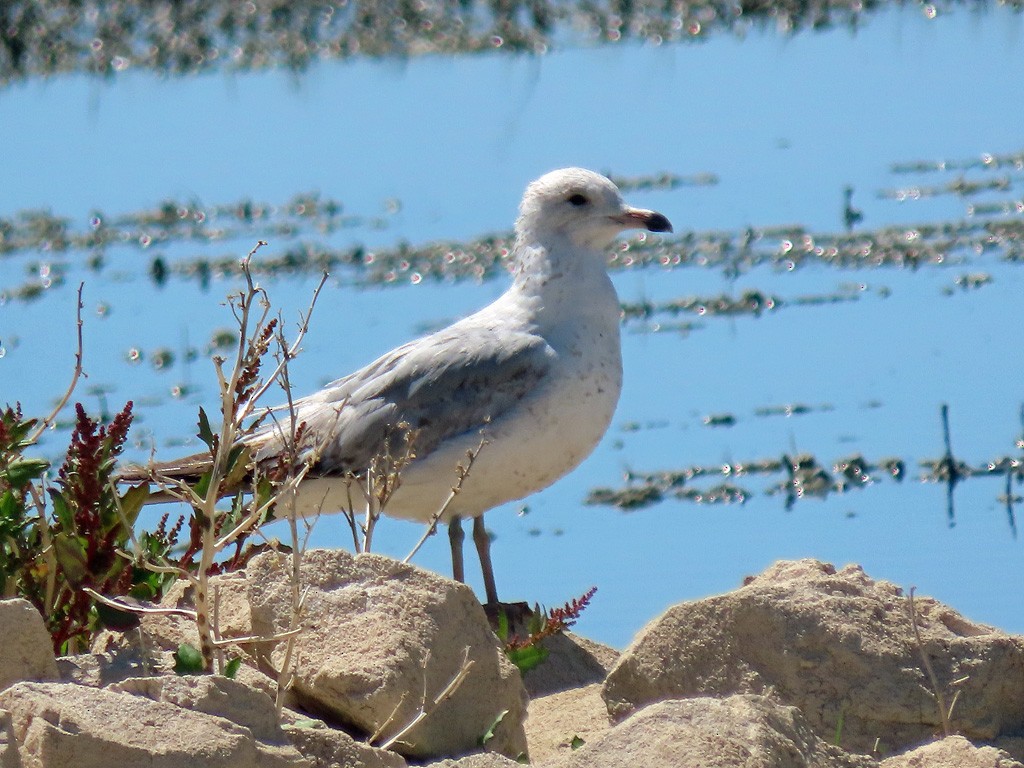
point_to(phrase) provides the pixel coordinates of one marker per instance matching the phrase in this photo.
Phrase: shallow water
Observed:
(843, 358)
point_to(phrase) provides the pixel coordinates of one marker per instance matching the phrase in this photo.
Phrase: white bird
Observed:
(536, 374)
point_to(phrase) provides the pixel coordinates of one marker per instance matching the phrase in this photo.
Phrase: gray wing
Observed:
(447, 384)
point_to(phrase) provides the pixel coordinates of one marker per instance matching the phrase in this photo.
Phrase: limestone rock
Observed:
(213, 695)
(377, 635)
(557, 719)
(952, 752)
(9, 757)
(838, 645)
(329, 748)
(572, 662)
(736, 732)
(26, 650)
(61, 724)
(479, 760)
(98, 670)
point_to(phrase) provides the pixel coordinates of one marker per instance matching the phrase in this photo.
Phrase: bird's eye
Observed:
(578, 200)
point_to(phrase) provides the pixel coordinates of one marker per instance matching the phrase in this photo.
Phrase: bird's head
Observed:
(582, 206)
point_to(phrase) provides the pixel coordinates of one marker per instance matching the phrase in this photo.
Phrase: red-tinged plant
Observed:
(90, 524)
(527, 652)
(59, 537)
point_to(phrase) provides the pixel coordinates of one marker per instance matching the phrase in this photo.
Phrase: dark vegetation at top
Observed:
(105, 37)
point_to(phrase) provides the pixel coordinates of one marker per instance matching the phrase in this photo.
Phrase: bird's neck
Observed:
(557, 280)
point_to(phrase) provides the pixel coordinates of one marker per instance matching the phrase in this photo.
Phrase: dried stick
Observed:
(141, 610)
(462, 473)
(45, 423)
(936, 690)
(425, 711)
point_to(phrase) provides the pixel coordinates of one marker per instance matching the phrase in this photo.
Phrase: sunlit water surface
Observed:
(441, 148)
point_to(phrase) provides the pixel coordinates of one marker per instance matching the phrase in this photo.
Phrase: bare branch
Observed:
(940, 700)
(462, 473)
(141, 610)
(426, 709)
(289, 352)
(78, 373)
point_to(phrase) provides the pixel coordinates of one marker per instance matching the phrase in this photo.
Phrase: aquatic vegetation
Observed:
(805, 476)
(107, 37)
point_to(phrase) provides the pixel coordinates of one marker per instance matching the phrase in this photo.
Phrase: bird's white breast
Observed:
(546, 435)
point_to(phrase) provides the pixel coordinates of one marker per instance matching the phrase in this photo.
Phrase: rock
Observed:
(61, 724)
(251, 706)
(9, 757)
(369, 623)
(556, 720)
(736, 732)
(1012, 745)
(838, 645)
(572, 662)
(329, 748)
(479, 760)
(380, 640)
(98, 670)
(213, 695)
(26, 650)
(952, 752)
(159, 635)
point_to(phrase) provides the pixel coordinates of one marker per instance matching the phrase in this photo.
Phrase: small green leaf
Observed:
(494, 726)
(70, 552)
(21, 472)
(307, 723)
(576, 742)
(10, 509)
(188, 660)
(538, 618)
(133, 501)
(527, 658)
(205, 433)
(61, 511)
(264, 490)
(238, 466)
(502, 630)
(146, 589)
(116, 619)
(202, 484)
(523, 759)
(232, 667)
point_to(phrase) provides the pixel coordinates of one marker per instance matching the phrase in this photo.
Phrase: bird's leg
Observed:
(483, 549)
(455, 539)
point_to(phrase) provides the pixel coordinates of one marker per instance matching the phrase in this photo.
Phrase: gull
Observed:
(528, 383)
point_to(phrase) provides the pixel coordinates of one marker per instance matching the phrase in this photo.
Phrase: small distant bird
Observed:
(851, 215)
(536, 374)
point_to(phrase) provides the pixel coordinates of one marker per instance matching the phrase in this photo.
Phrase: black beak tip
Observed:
(658, 223)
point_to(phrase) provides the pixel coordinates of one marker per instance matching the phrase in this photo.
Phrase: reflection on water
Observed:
(829, 289)
(108, 38)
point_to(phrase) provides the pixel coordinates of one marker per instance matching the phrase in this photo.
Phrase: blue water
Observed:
(784, 123)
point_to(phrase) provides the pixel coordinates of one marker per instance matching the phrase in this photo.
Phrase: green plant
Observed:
(60, 536)
(18, 539)
(528, 652)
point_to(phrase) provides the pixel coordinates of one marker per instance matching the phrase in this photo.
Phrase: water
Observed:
(440, 148)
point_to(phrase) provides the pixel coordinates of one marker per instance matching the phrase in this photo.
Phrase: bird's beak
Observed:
(639, 218)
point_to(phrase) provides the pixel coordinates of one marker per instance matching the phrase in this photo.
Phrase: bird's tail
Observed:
(186, 470)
